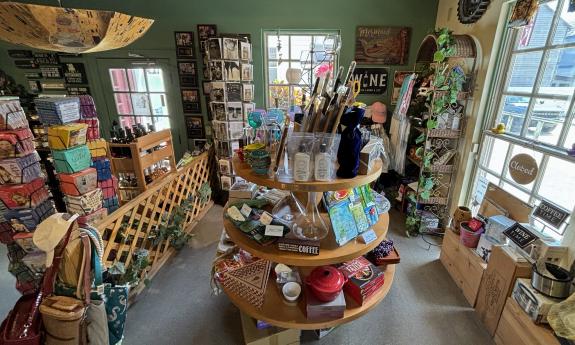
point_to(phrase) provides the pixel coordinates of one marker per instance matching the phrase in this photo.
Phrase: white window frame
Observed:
(497, 95)
(288, 59)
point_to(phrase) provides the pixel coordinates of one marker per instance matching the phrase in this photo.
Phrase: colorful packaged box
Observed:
(26, 195)
(87, 107)
(24, 240)
(78, 183)
(98, 148)
(104, 169)
(16, 143)
(12, 115)
(84, 204)
(58, 111)
(27, 219)
(67, 136)
(93, 123)
(112, 204)
(94, 217)
(6, 233)
(109, 187)
(72, 160)
(20, 170)
(36, 262)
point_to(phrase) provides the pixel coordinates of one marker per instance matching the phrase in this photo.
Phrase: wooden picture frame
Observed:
(382, 45)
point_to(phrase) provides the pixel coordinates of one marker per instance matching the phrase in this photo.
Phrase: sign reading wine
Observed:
(373, 80)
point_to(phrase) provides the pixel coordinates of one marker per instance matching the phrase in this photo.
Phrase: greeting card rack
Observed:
(275, 310)
(141, 160)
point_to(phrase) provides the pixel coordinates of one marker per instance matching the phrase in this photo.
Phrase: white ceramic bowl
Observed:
(291, 291)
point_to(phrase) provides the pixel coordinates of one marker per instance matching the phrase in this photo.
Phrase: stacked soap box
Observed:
(72, 159)
(99, 152)
(23, 194)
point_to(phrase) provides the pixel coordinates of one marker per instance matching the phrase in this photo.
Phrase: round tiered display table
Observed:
(275, 309)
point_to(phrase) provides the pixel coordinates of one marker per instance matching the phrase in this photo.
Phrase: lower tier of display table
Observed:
(280, 313)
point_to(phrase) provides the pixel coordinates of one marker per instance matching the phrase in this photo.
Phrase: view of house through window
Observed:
(140, 96)
(291, 54)
(535, 102)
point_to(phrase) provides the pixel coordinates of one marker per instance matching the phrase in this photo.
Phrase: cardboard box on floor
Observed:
(268, 336)
(498, 280)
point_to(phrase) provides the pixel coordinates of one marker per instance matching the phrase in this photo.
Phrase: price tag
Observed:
(368, 237)
(266, 218)
(274, 230)
(246, 210)
(100, 289)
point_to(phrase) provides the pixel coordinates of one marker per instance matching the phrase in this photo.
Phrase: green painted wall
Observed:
(248, 16)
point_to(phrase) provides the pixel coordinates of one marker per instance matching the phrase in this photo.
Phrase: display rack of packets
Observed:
(72, 160)
(24, 197)
(99, 154)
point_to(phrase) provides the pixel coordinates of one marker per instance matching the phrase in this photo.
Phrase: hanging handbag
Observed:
(23, 325)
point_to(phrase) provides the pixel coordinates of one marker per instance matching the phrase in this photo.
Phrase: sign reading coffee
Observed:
(550, 214)
(523, 168)
(373, 81)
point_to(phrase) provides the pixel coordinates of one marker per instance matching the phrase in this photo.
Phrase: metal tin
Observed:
(556, 285)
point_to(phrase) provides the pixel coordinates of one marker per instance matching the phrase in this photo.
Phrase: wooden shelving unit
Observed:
(144, 153)
(275, 309)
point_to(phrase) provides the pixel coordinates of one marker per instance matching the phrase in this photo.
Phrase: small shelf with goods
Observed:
(140, 163)
(274, 249)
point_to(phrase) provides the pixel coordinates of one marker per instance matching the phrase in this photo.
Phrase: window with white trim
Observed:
(534, 98)
(284, 51)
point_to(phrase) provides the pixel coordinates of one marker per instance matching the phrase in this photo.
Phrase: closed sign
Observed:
(523, 168)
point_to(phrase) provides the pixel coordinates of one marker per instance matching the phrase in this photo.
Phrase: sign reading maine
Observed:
(373, 80)
(550, 214)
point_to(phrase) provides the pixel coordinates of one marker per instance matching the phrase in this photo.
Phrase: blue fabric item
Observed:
(350, 144)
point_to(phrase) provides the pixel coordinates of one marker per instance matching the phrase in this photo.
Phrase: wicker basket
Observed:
(464, 47)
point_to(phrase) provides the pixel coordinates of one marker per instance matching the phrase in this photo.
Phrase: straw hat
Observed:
(50, 232)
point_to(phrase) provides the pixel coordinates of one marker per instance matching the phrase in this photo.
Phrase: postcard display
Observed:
(231, 98)
(78, 153)
(24, 195)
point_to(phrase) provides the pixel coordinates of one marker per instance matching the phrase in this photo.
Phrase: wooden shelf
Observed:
(245, 171)
(329, 253)
(283, 314)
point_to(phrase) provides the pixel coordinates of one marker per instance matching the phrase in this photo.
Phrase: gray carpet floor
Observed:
(424, 305)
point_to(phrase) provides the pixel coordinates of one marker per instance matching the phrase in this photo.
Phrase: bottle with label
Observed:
(302, 161)
(322, 164)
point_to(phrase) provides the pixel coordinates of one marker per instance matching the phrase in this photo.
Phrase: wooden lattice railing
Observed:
(129, 228)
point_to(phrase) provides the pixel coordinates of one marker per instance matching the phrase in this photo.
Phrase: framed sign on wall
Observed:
(382, 45)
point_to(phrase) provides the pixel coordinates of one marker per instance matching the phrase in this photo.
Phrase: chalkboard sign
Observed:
(550, 214)
(46, 59)
(373, 81)
(75, 73)
(520, 235)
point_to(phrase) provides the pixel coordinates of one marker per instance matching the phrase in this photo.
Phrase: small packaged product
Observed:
(12, 115)
(109, 187)
(67, 136)
(98, 148)
(16, 143)
(24, 240)
(78, 183)
(300, 153)
(26, 195)
(84, 204)
(58, 111)
(94, 217)
(72, 160)
(20, 170)
(93, 131)
(325, 156)
(104, 169)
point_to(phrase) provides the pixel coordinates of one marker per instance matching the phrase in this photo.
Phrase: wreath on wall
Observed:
(470, 11)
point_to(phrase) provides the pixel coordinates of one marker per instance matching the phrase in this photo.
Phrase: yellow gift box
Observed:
(65, 136)
(98, 148)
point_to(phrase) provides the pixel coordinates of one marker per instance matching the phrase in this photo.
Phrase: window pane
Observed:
(127, 121)
(570, 139)
(496, 160)
(559, 74)
(298, 92)
(535, 33)
(123, 103)
(159, 103)
(145, 120)
(137, 79)
(515, 191)
(155, 80)
(273, 52)
(279, 96)
(523, 71)
(277, 72)
(141, 104)
(514, 109)
(558, 183)
(119, 80)
(299, 44)
(547, 120)
(162, 123)
(564, 32)
(520, 149)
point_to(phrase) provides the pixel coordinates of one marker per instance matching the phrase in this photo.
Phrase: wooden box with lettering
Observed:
(516, 328)
(464, 266)
(498, 280)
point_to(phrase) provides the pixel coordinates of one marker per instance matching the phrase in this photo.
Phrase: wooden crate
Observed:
(128, 228)
(141, 159)
(464, 266)
(516, 328)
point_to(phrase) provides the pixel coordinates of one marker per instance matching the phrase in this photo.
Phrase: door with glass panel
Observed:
(140, 92)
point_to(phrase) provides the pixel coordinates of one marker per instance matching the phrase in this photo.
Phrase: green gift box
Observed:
(72, 160)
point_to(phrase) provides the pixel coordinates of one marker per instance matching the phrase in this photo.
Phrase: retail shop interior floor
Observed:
(424, 305)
